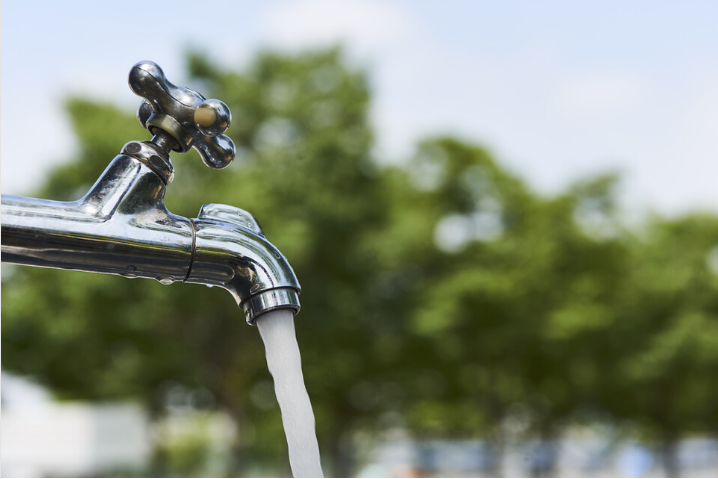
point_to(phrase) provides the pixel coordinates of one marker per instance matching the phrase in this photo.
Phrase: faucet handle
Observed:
(183, 114)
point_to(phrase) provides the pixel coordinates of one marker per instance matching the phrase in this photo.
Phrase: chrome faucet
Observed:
(122, 226)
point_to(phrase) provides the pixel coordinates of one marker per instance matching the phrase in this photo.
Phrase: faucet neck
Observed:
(154, 154)
(164, 141)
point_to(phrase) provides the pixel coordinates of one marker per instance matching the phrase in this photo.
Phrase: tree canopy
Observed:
(442, 295)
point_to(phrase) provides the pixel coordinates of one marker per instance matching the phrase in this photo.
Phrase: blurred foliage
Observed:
(443, 295)
(193, 443)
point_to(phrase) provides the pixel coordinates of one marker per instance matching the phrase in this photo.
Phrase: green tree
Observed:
(444, 295)
(303, 169)
(506, 311)
(662, 350)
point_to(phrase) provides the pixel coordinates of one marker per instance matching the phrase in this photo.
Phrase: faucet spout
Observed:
(122, 226)
(231, 251)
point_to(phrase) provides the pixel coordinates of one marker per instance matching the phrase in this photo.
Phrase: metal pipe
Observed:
(120, 227)
(123, 227)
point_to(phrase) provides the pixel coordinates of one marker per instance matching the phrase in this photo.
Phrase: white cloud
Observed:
(365, 24)
(688, 166)
(28, 156)
(602, 92)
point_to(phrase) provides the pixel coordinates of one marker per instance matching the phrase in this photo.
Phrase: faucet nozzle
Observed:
(232, 252)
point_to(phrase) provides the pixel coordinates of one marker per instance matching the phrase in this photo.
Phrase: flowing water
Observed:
(277, 331)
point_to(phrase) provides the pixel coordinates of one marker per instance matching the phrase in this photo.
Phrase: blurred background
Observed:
(503, 216)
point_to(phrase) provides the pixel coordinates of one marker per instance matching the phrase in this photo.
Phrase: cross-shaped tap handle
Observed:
(183, 114)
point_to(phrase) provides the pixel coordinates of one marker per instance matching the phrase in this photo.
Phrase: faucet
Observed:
(122, 226)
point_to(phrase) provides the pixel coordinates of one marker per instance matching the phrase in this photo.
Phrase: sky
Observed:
(557, 90)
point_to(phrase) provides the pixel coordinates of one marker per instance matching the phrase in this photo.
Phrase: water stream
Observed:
(277, 331)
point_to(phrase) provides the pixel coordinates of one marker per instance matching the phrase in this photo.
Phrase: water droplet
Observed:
(165, 281)
(209, 285)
